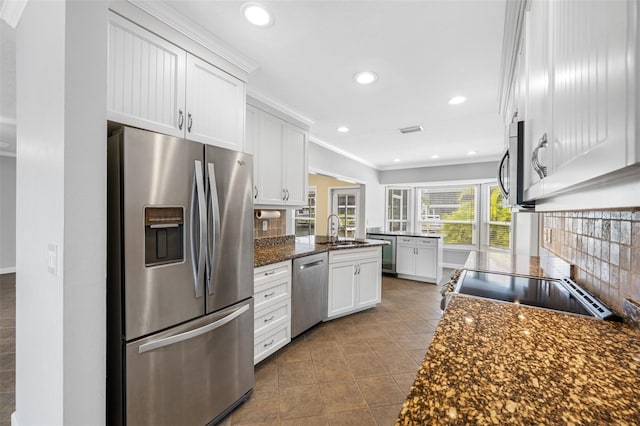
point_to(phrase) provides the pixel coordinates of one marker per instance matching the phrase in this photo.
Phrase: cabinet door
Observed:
(342, 289)
(369, 282)
(426, 260)
(215, 105)
(538, 105)
(146, 79)
(251, 141)
(590, 90)
(295, 166)
(270, 166)
(405, 259)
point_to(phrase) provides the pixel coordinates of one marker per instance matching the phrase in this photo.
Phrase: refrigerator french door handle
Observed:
(197, 249)
(213, 241)
(166, 341)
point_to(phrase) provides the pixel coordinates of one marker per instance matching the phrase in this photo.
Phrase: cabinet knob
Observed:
(535, 162)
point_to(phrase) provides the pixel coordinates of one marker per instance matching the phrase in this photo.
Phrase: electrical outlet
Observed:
(265, 225)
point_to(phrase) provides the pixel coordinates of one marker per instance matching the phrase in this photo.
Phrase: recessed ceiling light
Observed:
(396, 160)
(365, 77)
(343, 129)
(434, 156)
(257, 14)
(457, 100)
(471, 153)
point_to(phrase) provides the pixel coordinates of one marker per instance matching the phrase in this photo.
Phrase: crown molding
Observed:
(179, 22)
(454, 162)
(11, 11)
(342, 152)
(261, 97)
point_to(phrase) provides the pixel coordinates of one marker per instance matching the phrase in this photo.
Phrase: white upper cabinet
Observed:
(579, 60)
(280, 159)
(155, 85)
(146, 86)
(215, 105)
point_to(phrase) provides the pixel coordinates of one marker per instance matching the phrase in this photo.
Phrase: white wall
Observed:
(325, 161)
(7, 214)
(61, 199)
(471, 171)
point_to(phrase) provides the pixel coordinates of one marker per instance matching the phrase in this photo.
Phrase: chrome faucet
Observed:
(329, 234)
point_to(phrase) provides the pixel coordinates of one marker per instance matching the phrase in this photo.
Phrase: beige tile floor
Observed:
(356, 370)
(7, 347)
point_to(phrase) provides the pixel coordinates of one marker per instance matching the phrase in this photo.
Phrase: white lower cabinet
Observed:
(419, 258)
(355, 280)
(272, 309)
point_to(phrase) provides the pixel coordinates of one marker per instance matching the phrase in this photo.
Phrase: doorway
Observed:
(345, 203)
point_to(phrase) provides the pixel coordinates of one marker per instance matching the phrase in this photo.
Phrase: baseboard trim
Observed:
(10, 270)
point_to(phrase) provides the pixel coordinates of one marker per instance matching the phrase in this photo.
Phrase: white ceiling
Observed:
(424, 52)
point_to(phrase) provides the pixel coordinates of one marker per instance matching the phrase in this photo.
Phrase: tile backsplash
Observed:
(604, 246)
(275, 227)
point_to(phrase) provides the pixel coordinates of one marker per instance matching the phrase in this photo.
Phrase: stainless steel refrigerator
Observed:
(180, 280)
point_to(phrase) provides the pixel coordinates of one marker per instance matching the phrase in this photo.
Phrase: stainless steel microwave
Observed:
(511, 169)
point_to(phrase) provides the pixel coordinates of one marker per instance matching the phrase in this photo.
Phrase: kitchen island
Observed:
(492, 362)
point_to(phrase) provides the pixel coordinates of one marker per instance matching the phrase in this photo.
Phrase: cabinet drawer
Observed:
(271, 293)
(269, 273)
(271, 342)
(407, 240)
(350, 255)
(426, 242)
(271, 317)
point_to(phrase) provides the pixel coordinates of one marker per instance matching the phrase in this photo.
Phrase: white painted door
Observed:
(345, 203)
(215, 105)
(426, 261)
(342, 289)
(270, 170)
(146, 79)
(295, 166)
(405, 258)
(369, 282)
(590, 90)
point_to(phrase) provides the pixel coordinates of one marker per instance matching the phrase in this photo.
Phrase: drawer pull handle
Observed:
(266, 345)
(269, 319)
(270, 272)
(269, 294)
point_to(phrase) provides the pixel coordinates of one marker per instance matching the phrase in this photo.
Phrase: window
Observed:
(305, 217)
(499, 220)
(346, 205)
(397, 209)
(450, 210)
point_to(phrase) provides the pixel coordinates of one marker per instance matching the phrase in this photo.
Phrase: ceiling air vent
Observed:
(411, 129)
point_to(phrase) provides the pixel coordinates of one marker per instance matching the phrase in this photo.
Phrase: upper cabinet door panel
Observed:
(215, 105)
(590, 52)
(295, 160)
(146, 79)
(270, 163)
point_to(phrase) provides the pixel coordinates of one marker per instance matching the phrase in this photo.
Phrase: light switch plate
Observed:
(52, 259)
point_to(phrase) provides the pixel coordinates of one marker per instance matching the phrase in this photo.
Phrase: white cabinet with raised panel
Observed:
(580, 115)
(419, 258)
(272, 309)
(280, 159)
(155, 85)
(355, 280)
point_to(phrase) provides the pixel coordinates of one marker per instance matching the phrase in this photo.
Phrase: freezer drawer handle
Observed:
(160, 343)
(309, 265)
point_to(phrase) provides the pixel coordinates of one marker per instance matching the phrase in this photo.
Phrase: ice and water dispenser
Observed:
(164, 235)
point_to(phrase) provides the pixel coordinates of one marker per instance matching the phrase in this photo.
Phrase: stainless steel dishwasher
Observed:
(309, 291)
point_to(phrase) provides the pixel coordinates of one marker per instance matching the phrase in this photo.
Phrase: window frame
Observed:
(487, 222)
(409, 219)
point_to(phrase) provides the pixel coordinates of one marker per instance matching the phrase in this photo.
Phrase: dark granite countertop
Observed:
(289, 248)
(492, 362)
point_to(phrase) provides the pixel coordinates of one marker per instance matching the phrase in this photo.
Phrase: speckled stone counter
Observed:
(264, 254)
(499, 363)
(497, 261)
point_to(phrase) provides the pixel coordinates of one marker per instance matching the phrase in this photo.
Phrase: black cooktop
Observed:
(539, 292)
